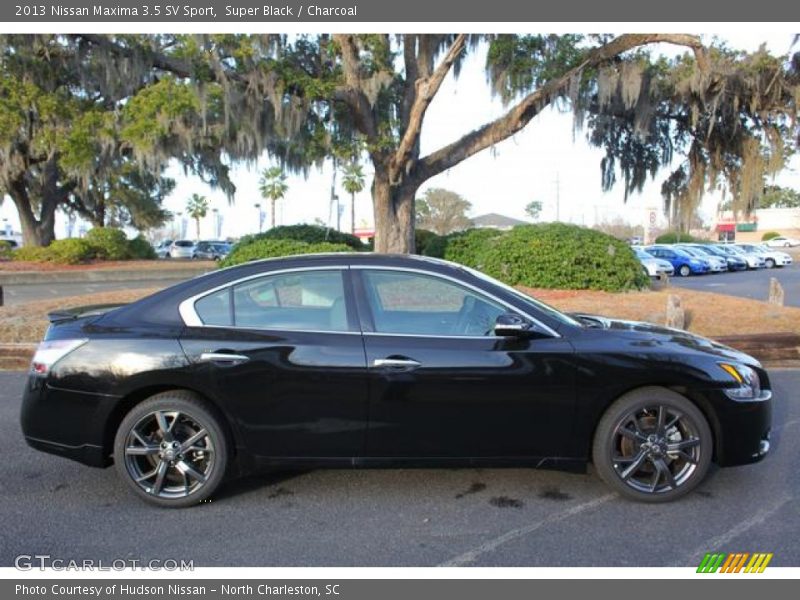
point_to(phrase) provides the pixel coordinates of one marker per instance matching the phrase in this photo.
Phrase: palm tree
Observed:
(273, 187)
(353, 183)
(197, 208)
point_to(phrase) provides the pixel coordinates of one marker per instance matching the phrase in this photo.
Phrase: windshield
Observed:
(642, 254)
(184, 244)
(539, 305)
(690, 251)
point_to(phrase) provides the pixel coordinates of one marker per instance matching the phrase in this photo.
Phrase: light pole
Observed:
(215, 212)
(260, 216)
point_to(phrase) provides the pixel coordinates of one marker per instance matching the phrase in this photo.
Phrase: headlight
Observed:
(749, 387)
(695, 262)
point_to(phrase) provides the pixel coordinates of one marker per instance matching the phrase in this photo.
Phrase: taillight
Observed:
(49, 353)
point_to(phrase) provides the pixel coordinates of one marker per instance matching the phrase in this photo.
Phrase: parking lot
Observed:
(747, 284)
(466, 517)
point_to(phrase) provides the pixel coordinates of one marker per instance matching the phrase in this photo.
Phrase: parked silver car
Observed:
(653, 266)
(181, 249)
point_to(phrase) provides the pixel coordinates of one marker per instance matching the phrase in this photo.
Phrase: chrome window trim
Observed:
(190, 317)
(547, 329)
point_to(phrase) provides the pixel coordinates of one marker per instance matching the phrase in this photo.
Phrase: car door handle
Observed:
(400, 364)
(223, 358)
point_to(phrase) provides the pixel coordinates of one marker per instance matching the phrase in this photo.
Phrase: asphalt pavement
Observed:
(747, 284)
(405, 517)
(15, 294)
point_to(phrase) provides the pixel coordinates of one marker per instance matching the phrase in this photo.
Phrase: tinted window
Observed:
(215, 309)
(184, 244)
(414, 303)
(307, 300)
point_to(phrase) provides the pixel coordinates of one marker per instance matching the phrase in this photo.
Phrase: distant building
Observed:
(496, 221)
(785, 221)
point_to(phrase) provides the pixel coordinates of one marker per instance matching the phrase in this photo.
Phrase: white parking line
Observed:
(716, 543)
(470, 556)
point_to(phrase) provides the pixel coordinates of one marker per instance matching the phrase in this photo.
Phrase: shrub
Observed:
(271, 248)
(30, 254)
(675, 237)
(140, 249)
(557, 255)
(5, 250)
(310, 234)
(770, 235)
(422, 239)
(467, 247)
(436, 246)
(109, 243)
(70, 251)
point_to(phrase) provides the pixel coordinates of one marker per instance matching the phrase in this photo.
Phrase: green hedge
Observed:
(109, 243)
(770, 235)
(272, 248)
(140, 249)
(550, 255)
(422, 239)
(469, 247)
(675, 237)
(310, 234)
(70, 251)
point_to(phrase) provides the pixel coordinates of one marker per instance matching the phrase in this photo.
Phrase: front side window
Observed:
(419, 304)
(298, 301)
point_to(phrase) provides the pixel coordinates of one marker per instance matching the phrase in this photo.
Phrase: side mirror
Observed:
(511, 325)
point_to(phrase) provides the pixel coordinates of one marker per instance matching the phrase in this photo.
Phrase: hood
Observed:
(657, 335)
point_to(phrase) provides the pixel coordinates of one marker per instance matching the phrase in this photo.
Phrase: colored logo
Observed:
(736, 562)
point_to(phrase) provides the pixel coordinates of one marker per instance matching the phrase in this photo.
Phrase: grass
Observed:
(708, 314)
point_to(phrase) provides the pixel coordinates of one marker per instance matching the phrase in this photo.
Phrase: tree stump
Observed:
(676, 317)
(775, 292)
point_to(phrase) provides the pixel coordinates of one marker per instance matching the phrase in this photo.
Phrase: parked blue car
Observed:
(681, 261)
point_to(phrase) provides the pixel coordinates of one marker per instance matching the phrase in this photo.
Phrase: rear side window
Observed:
(300, 301)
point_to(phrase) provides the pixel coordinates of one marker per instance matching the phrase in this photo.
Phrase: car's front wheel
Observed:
(770, 263)
(652, 445)
(172, 449)
(685, 271)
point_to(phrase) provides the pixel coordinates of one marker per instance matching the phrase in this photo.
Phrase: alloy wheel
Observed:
(655, 449)
(169, 454)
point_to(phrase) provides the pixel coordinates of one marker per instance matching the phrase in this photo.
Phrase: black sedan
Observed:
(373, 360)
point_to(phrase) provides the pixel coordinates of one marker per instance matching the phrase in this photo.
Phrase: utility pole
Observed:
(558, 197)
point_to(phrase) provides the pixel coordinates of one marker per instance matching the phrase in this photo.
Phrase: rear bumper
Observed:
(66, 423)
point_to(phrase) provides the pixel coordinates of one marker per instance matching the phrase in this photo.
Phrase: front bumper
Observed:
(743, 429)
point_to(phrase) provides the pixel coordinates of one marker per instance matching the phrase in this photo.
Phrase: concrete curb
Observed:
(99, 275)
(774, 350)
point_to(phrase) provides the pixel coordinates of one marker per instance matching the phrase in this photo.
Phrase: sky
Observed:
(546, 161)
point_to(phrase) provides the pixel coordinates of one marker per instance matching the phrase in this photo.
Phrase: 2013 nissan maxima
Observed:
(375, 360)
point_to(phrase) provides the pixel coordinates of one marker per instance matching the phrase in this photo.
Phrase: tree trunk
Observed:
(35, 232)
(352, 212)
(197, 227)
(272, 213)
(394, 216)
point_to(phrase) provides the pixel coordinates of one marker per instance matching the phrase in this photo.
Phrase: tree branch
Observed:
(425, 91)
(521, 114)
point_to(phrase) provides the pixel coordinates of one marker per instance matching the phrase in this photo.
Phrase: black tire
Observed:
(167, 255)
(770, 263)
(188, 474)
(684, 271)
(615, 453)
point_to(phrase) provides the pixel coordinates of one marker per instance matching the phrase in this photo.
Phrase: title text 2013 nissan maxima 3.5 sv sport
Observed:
(377, 360)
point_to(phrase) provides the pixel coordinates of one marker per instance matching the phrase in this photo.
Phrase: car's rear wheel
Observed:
(172, 449)
(685, 271)
(652, 445)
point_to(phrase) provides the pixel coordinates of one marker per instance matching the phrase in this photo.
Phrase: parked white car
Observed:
(753, 260)
(772, 258)
(163, 248)
(782, 242)
(652, 265)
(181, 249)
